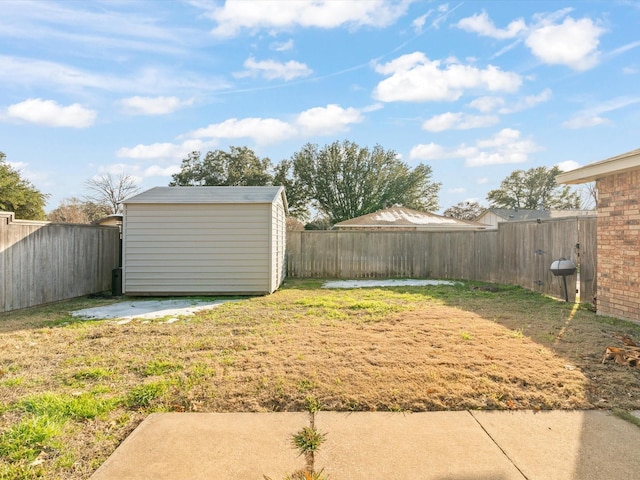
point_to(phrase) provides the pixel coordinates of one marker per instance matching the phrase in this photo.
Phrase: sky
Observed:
(474, 89)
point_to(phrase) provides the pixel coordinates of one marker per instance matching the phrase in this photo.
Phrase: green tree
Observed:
(533, 189)
(240, 166)
(18, 195)
(109, 191)
(319, 223)
(344, 180)
(464, 210)
(297, 194)
(74, 210)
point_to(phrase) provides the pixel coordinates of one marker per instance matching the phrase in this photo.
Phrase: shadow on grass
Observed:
(571, 331)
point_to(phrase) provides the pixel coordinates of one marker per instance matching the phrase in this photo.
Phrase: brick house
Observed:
(618, 211)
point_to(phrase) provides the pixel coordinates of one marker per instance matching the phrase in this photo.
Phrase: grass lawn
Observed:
(72, 390)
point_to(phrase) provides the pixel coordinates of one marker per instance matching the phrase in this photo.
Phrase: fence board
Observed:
(518, 253)
(42, 262)
(587, 240)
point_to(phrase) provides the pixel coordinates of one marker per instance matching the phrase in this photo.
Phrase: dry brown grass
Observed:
(400, 349)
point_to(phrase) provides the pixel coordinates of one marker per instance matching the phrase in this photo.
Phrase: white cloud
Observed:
(153, 105)
(261, 130)
(442, 12)
(19, 166)
(271, 69)
(327, 120)
(418, 23)
(573, 43)
(503, 137)
(272, 15)
(429, 151)
(482, 25)
(585, 121)
(50, 113)
(505, 147)
(623, 49)
(314, 121)
(163, 150)
(527, 102)
(372, 108)
(415, 78)
(282, 46)
(482, 181)
(139, 172)
(26, 71)
(458, 121)
(506, 48)
(568, 165)
(99, 29)
(486, 104)
(591, 117)
(554, 38)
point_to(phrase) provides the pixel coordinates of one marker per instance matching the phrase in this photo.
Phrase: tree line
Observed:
(335, 182)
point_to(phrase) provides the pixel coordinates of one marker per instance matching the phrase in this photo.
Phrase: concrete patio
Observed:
(462, 445)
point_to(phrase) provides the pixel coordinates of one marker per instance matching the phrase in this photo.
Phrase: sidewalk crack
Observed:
(498, 445)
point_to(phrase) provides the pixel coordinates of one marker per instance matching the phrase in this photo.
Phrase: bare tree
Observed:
(74, 210)
(466, 210)
(110, 191)
(589, 196)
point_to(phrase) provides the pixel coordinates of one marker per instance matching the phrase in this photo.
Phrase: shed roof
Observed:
(611, 166)
(405, 217)
(209, 195)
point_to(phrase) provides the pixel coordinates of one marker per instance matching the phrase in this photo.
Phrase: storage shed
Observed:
(204, 240)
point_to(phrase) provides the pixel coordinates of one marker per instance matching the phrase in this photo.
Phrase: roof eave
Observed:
(620, 164)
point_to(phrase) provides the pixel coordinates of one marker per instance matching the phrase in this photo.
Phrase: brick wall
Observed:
(618, 293)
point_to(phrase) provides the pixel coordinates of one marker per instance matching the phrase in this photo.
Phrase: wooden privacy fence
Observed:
(518, 253)
(44, 262)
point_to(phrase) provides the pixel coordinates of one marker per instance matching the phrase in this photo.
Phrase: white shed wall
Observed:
(198, 249)
(278, 244)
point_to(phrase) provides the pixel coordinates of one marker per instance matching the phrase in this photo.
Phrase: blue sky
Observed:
(475, 89)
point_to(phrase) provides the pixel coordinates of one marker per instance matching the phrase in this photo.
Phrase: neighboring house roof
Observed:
(402, 217)
(209, 195)
(521, 214)
(112, 219)
(625, 162)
